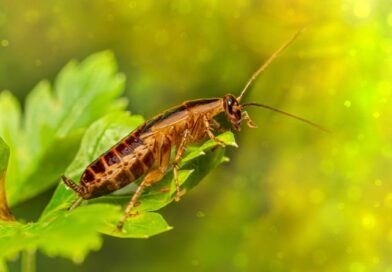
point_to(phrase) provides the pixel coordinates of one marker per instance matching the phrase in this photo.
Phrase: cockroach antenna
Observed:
(262, 69)
(287, 114)
(268, 62)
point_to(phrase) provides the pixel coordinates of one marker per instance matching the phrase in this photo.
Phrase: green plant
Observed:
(62, 131)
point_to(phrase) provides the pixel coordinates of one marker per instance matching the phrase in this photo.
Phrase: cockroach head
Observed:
(233, 111)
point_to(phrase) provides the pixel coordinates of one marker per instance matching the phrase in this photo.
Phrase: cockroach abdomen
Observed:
(148, 159)
(136, 168)
(88, 176)
(124, 178)
(124, 149)
(98, 166)
(111, 158)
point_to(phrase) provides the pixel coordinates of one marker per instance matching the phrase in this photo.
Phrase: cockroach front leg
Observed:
(150, 178)
(210, 134)
(249, 122)
(180, 152)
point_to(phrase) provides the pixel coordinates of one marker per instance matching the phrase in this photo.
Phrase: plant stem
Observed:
(28, 260)
(3, 266)
(5, 213)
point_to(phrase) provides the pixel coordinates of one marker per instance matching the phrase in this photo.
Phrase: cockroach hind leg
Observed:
(121, 223)
(134, 199)
(75, 204)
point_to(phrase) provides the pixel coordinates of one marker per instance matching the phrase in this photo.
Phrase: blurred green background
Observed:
(292, 198)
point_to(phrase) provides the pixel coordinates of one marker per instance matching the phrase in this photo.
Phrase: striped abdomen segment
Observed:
(121, 165)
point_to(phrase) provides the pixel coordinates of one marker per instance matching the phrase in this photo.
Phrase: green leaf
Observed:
(5, 213)
(9, 118)
(4, 155)
(44, 141)
(68, 234)
(3, 266)
(227, 138)
(141, 226)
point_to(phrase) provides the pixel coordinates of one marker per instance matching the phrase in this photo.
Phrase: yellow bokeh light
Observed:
(4, 43)
(354, 193)
(316, 196)
(362, 9)
(389, 19)
(388, 200)
(378, 182)
(368, 221)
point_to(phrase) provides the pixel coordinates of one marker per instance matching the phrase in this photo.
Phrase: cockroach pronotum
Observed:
(147, 150)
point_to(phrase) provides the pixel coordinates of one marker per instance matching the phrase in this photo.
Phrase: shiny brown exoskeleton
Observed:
(147, 150)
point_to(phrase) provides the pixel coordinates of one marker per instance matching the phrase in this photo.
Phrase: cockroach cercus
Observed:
(146, 151)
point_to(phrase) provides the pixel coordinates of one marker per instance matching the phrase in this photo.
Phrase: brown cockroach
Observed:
(147, 150)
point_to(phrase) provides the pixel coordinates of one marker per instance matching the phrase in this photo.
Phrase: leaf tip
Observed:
(225, 159)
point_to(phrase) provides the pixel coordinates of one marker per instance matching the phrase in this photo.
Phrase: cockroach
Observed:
(147, 150)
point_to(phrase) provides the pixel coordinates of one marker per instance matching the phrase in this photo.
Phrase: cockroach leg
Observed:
(150, 178)
(175, 176)
(131, 204)
(164, 153)
(75, 204)
(180, 152)
(249, 122)
(217, 126)
(164, 190)
(210, 134)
